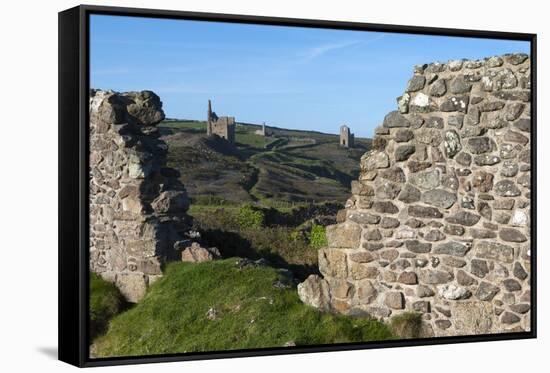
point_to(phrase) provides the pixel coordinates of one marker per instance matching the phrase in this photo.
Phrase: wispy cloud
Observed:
(317, 51)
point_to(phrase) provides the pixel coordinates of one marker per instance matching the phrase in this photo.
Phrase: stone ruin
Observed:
(439, 220)
(223, 127)
(347, 139)
(138, 206)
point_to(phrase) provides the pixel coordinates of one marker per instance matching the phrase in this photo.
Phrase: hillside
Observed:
(222, 305)
(274, 170)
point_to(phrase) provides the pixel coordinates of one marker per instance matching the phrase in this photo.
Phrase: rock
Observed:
(373, 235)
(479, 145)
(519, 271)
(395, 119)
(361, 257)
(333, 263)
(519, 218)
(507, 188)
(415, 166)
(482, 181)
(435, 122)
(428, 136)
(172, 201)
(385, 207)
(145, 107)
(452, 248)
(433, 277)
(403, 103)
(290, 344)
(198, 254)
(374, 160)
(434, 235)
(439, 88)
(455, 230)
(513, 136)
(523, 124)
(511, 235)
(494, 251)
(389, 222)
(486, 291)
(520, 308)
(424, 212)
(453, 292)
(363, 217)
(509, 169)
(452, 143)
(418, 247)
(366, 292)
(464, 279)
(409, 194)
(455, 103)
(460, 85)
(516, 58)
(464, 159)
(212, 314)
(394, 174)
(426, 179)
(423, 291)
(407, 278)
(403, 152)
(388, 191)
(422, 103)
(443, 324)
(513, 110)
(486, 160)
(509, 318)
(314, 291)
(345, 235)
(479, 268)
(473, 317)
(395, 300)
(132, 286)
(511, 285)
(439, 198)
(463, 218)
(361, 189)
(416, 83)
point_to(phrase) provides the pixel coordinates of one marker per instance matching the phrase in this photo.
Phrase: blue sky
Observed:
(289, 77)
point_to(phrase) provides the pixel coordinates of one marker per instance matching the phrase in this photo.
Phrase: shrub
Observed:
(250, 217)
(317, 236)
(105, 302)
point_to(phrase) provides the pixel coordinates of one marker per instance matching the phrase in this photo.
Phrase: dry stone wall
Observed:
(137, 205)
(439, 220)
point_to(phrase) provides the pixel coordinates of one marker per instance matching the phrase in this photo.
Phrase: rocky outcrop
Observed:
(438, 222)
(137, 205)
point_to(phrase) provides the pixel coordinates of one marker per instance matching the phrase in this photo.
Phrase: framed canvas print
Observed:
(240, 185)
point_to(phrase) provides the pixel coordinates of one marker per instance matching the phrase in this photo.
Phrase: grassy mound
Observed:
(216, 306)
(105, 302)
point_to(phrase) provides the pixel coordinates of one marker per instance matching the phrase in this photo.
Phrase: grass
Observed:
(249, 313)
(105, 302)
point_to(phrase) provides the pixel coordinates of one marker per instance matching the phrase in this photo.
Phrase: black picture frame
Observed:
(73, 182)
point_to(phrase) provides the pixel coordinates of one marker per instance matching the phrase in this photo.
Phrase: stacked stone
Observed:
(137, 205)
(439, 220)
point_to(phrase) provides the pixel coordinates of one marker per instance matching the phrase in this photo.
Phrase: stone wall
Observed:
(438, 222)
(137, 205)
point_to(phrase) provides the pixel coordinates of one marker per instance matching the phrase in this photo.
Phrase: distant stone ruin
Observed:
(439, 220)
(263, 131)
(347, 139)
(223, 127)
(138, 206)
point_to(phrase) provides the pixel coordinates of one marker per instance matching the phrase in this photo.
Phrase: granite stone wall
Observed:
(137, 205)
(439, 219)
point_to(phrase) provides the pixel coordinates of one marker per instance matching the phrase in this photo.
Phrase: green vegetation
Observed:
(250, 217)
(216, 306)
(105, 302)
(317, 236)
(407, 325)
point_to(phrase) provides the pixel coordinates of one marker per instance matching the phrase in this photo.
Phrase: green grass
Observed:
(105, 302)
(250, 313)
(407, 325)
